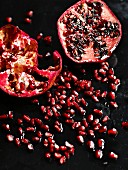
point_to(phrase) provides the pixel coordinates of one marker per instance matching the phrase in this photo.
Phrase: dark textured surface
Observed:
(46, 13)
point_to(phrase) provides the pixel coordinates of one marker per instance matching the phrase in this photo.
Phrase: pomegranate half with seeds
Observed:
(89, 31)
(19, 64)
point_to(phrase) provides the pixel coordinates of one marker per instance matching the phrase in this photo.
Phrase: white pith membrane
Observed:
(73, 22)
(18, 63)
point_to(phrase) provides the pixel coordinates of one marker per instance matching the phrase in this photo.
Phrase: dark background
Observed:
(46, 13)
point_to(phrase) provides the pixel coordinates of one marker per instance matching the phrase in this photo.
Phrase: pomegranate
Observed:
(89, 31)
(19, 64)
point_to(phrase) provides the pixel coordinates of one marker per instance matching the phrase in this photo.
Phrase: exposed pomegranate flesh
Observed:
(19, 63)
(89, 31)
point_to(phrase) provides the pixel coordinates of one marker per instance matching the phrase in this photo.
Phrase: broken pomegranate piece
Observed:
(19, 64)
(89, 31)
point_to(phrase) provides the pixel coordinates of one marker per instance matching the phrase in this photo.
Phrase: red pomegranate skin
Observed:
(19, 63)
(88, 54)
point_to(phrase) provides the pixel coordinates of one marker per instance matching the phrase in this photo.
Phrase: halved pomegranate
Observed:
(19, 64)
(89, 31)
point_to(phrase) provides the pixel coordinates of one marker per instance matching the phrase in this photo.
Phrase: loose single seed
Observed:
(30, 147)
(57, 148)
(17, 142)
(26, 118)
(35, 101)
(98, 112)
(38, 122)
(76, 125)
(69, 145)
(101, 143)
(48, 39)
(9, 19)
(80, 139)
(50, 140)
(10, 114)
(19, 121)
(67, 115)
(113, 87)
(81, 128)
(112, 132)
(6, 127)
(69, 121)
(91, 133)
(48, 134)
(28, 20)
(4, 116)
(112, 95)
(47, 155)
(81, 133)
(71, 151)
(105, 119)
(113, 155)
(98, 154)
(125, 125)
(30, 13)
(114, 104)
(91, 145)
(57, 155)
(88, 93)
(62, 160)
(97, 127)
(10, 137)
(32, 122)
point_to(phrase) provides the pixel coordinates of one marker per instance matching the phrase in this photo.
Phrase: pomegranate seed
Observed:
(20, 130)
(90, 118)
(117, 82)
(38, 122)
(74, 78)
(112, 132)
(6, 127)
(95, 98)
(19, 121)
(104, 94)
(113, 155)
(45, 143)
(111, 95)
(9, 19)
(91, 133)
(57, 148)
(4, 116)
(102, 72)
(62, 160)
(98, 112)
(67, 115)
(69, 121)
(97, 93)
(51, 147)
(81, 133)
(30, 129)
(81, 128)
(32, 122)
(72, 151)
(47, 134)
(80, 139)
(30, 13)
(91, 145)
(57, 155)
(113, 87)
(111, 71)
(59, 129)
(105, 119)
(30, 147)
(67, 154)
(51, 141)
(101, 143)
(88, 93)
(10, 137)
(98, 154)
(95, 122)
(25, 141)
(28, 20)
(35, 101)
(63, 148)
(10, 114)
(45, 127)
(36, 139)
(105, 80)
(114, 104)
(76, 125)
(48, 39)
(26, 118)
(97, 127)
(17, 142)
(103, 129)
(84, 122)
(69, 145)
(125, 125)
(47, 155)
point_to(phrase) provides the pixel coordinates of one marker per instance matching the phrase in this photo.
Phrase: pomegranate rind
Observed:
(16, 43)
(106, 14)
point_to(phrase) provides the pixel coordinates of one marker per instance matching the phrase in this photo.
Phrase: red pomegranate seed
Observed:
(30, 13)
(112, 95)
(98, 112)
(47, 155)
(30, 129)
(72, 151)
(69, 121)
(45, 127)
(91, 133)
(36, 139)
(63, 148)
(51, 147)
(62, 160)
(98, 154)
(48, 39)
(45, 143)
(20, 130)
(113, 87)
(67, 154)
(74, 78)
(88, 93)
(84, 122)
(114, 104)
(10, 114)
(113, 155)
(81, 133)
(10, 137)
(111, 71)
(101, 143)
(6, 127)
(57, 148)
(103, 129)
(26, 118)
(112, 132)
(28, 20)
(125, 125)
(58, 128)
(90, 118)
(105, 80)
(38, 122)
(76, 125)
(95, 122)
(32, 122)
(105, 119)
(81, 128)
(4, 116)
(67, 115)
(50, 140)
(102, 72)
(9, 19)
(25, 141)
(19, 121)
(30, 147)
(117, 82)
(90, 145)
(95, 98)
(69, 145)
(97, 127)
(80, 139)
(57, 155)
(17, 142)
(47, 134)
(104, 94)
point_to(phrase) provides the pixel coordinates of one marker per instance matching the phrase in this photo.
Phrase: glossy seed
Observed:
(57, 155)
(99, 154)
(9, 19)
(112, 132)
(114, 104)
(26, 118)
(62, 160)
(112, 95)
(24, 140)
(17, 142)
(80, 139)
(19, 121)
(30, 129)
(6, 127)
(10, 114)
(101, 143)
(113, 155)
(91, 145)
(105, 119)
(47, 155)
(30, 13)
(28, 20)
(10, 137)
(98, 112)
(4, 116)
(30, 147)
